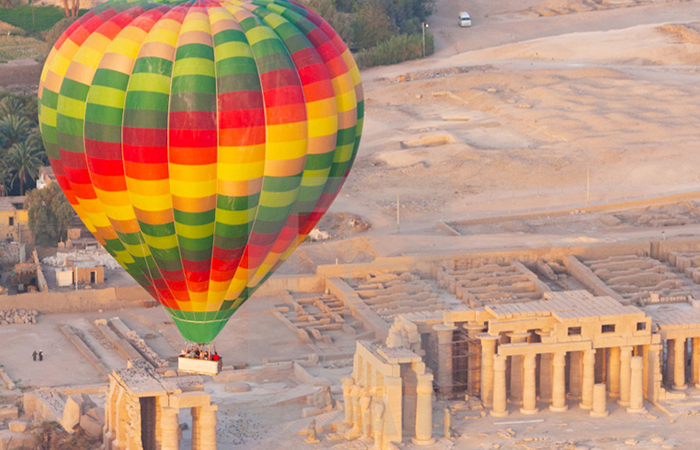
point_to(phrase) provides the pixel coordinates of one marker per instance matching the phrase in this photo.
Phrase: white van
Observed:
(464, 19)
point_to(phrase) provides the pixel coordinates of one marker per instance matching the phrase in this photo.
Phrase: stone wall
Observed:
(77, 301)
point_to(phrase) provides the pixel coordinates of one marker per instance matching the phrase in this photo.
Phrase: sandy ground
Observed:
(496, 123)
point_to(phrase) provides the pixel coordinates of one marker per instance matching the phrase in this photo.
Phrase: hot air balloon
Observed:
(200, 141)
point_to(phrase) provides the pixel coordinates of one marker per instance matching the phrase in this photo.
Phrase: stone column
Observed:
(588, 379)
(207, 423)
(393, 413)
(625, 374)
(107, 434)
(356, 412)
(195, 428)
(474, 329)
(499, 386)
(424, 411)
(696, 361)
(679, 364)
(133, 437)
(654, 376)
(121, 420)
(559, 382)
(529, 384)
(348, 384)
(488, 349)
(444, 381)
(169, 426)
(614, 382)
(599, 407)
(516, 369)
(637, 386)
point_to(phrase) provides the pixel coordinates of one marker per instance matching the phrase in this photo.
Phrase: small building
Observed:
(86, 272)
(46, 177)
(25, 278)
(64, 277)
(14, 220)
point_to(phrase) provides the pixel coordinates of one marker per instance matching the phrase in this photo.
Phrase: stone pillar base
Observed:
(558, 408)
(529, 412)
(599, 414)
(417, 441)
(680, 388)
(499, 414)
(621, 403)
(585, 406)
(637, 411)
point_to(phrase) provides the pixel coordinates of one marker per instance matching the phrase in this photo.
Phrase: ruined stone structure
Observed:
(541, 353)
(389, 395)
(517, 341)
(141, 412)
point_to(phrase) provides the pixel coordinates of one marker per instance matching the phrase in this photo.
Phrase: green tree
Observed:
(372, 25)
(409, 14)
(11, 105)
(5, 177)
(23, 161)
(50, 214)
(14, 129)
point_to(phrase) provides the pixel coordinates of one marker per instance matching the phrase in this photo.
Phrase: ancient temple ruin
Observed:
(142, 409)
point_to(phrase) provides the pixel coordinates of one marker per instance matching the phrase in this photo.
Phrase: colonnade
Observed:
(626, 378)
(677, 369)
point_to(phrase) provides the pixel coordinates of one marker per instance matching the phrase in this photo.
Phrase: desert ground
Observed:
(523, 111)
(547, 123)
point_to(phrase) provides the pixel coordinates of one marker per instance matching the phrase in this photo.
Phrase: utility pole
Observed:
(423, 26)
(588, 187)
(398, 213)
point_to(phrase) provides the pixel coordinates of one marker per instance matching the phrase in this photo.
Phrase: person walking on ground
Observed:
(41, 355)
(34, 355)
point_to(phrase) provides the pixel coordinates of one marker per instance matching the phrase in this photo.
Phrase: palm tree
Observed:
(5, 176)
(14, 128)
(23, 162)
(34, 140)
(11, 106)
(5, 179)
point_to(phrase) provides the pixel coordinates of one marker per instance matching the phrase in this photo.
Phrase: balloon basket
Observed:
(199, 366)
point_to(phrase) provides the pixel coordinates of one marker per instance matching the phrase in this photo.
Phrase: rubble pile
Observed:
(18, 316)
(145, 350)
(99, 257)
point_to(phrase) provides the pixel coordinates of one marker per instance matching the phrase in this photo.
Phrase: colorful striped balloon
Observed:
(200, 141)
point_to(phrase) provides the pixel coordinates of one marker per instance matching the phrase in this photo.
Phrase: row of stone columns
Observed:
(631, 382)
(676, 371)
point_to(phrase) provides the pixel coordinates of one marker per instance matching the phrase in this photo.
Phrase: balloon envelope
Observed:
(200, 141)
